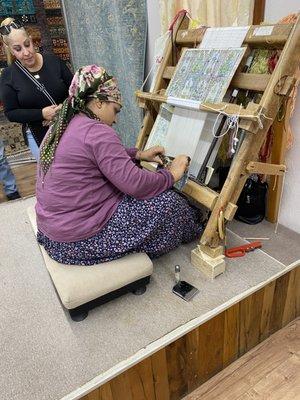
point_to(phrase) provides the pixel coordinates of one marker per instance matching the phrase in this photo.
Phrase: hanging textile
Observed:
(17, 7)
(208, 12)
(112, 34)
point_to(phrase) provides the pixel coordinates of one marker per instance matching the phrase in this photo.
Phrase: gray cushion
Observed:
(77, 284)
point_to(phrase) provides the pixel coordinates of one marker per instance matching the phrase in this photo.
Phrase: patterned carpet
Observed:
(20, 157)
(16, 150)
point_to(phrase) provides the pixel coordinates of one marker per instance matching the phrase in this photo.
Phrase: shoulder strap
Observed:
(39, 85)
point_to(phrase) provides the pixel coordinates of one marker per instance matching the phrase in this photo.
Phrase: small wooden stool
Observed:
(81, 288)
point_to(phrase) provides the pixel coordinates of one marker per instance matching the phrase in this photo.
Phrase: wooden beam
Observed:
(201, 194)
(258, 11)
(150, 96)
(168, 72)
(277, 39)
(230, 186)
(254, 82)
(145, 130)
(265, 168)
(285, 85)
(230, 211)
(192, 36)
(266, 42)
(229, 108)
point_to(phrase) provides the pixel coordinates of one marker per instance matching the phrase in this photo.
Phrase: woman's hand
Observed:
(179, 166)
(50, 112)
(151, 154)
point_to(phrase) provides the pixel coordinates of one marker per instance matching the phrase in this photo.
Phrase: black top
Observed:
(23, 101)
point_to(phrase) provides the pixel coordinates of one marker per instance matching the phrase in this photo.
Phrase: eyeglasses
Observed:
(6, 29)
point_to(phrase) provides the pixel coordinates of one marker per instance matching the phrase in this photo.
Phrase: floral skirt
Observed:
(155, 226)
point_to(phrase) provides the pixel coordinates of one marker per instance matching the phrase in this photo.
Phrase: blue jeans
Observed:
(6, 176)
(35, 151)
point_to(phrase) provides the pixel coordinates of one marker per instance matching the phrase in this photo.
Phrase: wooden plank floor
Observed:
(270, 371)
(26, 177)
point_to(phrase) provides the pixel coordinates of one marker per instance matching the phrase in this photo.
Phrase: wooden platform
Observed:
(193, 359)
(270, 371)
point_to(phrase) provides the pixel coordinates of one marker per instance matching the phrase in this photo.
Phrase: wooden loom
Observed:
(255, 119)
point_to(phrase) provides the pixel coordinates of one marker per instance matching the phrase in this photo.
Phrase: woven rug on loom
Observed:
(112, 34)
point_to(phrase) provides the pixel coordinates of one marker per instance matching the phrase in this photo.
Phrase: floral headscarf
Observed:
(88, 82)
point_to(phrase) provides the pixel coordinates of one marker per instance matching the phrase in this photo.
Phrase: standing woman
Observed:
(33, 85)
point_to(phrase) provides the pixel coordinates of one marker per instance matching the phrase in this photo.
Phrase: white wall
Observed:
(290, 206)
(276, 9)
(289, 214)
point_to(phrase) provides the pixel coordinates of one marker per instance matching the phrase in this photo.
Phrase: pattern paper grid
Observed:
(224, 38)
(204, 74)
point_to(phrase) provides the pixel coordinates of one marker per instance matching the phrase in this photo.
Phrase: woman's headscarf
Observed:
(88, 82)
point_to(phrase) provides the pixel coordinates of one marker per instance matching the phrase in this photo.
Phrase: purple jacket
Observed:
(88, 178)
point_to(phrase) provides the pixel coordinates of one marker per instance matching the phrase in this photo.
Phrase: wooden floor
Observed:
(26, 177)
(269, 371)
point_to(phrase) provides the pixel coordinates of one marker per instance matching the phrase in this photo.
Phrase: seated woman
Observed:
(94, 203)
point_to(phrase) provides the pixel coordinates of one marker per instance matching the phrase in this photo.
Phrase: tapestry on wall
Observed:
(16, 7)
(56, 29)
(112, 34)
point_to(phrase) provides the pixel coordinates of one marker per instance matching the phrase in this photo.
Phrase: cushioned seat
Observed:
(81, 288)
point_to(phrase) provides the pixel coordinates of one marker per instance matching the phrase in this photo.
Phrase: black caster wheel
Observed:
(139, 290)
(78, 316)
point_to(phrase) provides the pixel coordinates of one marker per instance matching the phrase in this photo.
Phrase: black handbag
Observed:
(252, 202)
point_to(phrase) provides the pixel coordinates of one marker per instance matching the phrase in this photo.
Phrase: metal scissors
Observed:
(240, 251)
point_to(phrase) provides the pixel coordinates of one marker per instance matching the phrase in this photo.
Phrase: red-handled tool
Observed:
(240, 251)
